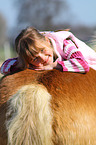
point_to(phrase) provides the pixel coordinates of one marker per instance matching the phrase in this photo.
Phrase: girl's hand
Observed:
(49, 67)
(46, 67)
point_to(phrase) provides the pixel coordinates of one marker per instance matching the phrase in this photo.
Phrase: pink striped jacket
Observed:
(69, 56)
(58, 42)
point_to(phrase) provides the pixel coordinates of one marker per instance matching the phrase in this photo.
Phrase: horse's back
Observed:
(73, 103)
(74, 106)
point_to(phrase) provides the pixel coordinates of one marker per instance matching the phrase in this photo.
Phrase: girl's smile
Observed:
(44, 57)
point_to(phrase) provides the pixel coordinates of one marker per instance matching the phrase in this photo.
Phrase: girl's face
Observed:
(44, 57)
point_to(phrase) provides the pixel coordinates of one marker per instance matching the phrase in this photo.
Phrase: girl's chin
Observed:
(39, 65)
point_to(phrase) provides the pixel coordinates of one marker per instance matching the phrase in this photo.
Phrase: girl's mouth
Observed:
(46, 60)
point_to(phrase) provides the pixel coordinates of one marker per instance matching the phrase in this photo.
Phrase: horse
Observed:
(48, 108)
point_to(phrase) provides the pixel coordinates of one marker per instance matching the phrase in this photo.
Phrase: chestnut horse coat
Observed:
(70, 115)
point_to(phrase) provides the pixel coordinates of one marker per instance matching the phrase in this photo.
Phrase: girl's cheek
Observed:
(37, 63)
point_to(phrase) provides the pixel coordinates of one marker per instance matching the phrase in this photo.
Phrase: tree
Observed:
(40, 13)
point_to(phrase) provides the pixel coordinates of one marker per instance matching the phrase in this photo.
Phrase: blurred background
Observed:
(76, 15)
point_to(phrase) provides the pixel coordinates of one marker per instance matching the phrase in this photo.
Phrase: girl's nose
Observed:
(42, 57)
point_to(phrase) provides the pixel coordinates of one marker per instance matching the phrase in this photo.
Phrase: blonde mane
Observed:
(31, 114)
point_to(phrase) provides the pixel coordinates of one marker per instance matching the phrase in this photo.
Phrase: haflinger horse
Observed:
(48, 108)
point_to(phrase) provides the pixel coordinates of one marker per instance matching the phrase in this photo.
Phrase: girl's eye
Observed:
(35, 58)
(42, 50)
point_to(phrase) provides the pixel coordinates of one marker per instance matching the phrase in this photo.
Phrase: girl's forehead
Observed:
(39, 46)
(42, 43)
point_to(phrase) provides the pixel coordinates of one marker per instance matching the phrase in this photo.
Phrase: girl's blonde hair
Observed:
(29, 43)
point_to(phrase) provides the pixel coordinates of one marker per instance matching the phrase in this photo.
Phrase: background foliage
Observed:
(44, 15)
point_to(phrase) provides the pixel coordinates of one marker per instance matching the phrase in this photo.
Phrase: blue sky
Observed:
(7, 8)
(83, 11)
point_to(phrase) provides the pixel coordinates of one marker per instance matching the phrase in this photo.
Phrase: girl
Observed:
(47, 50)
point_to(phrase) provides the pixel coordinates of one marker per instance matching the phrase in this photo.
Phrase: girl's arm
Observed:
(73, 59)
(72, 38)
(10, 66)
(64, 34)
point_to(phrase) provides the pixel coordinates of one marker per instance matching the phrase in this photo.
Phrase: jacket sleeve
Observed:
(73, 58)
(70, 36)
(6, 66)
